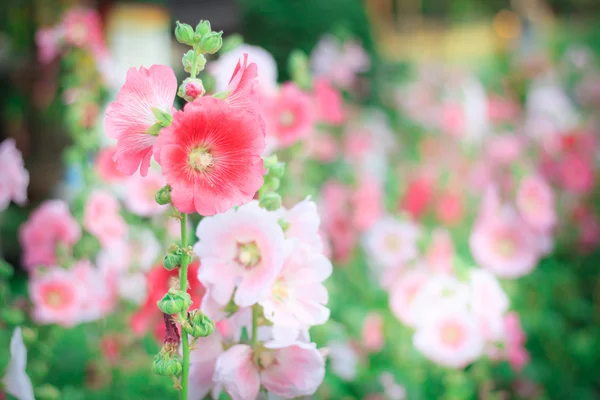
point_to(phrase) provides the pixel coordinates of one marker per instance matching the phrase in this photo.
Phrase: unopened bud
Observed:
(211, 42)
(175, 301)
(172, 259)
(184, 34)
(202, 28)
(271, 183)
(191, 89)
(299, 69)
(283, 224)
(188, 62)
(198, 324)
(270, 201)
(6, 270)
(163, 196)
(275, 167)
(167, 364)
(12, 316)
(47, 392)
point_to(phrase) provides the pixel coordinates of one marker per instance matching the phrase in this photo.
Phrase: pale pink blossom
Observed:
(439, 290)
(328, 103)
(291, 371)
(372, 332)
(99, 296)
(140, 192)
(297, 297)
(48, 43)
(266, 71)
(322, 146)
(488, 303)
(106, 167)
(504, 149)
(449, 208)
(403, 293)
(440, 252)
(504, 244)
(15, 381)
(202, 365)
(57, 296)
(392, 242)
(129, 117)
(302, 222)
(243, 248)
(535, 203)
(337, 62)
(452, 119)
(515, 351)
(289, 115)
(14, 178)
(449, 336)
(102, 219)
(343, 359)
(50, 227)
(367, 203)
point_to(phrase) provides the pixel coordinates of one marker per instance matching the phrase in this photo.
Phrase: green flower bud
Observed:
(6, 270)
(202, 29)
(30, 335)
(188, 61)
(299, 70)
(172, 259)
(191, 89)
(167, 364)
(184, 34)
(198, 325)
(12, 316)
(175, 301)
(271, 183)
(211, 42)
(163, 118)
(47, 392)
(275, 167)
(283, 224)
(270, 201)
(38, 368)
(163, 196)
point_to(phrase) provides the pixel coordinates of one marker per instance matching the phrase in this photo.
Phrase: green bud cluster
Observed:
(198, 324)
(268, 198)
(172, 259)
(167, 362)
(175, 301)
(163, 196)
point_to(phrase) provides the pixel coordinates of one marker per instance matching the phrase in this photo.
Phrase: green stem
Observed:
(193, 72)
(184, 337)
(254, 325)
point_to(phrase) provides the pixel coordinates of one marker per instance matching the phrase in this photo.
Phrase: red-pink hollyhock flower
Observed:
(328, 103)
(102, 219)
(241, 90)
(576, 173)
(535, 203)
(297, 298)
(211, 156)
(130, 116)
(449, 208)
(372, 332)
(289, 115)
(367, 203)
(14, 178)
(56, 295)
(140, 192)
(290, 372)
(243, 248)
(504, 244)
(51, 225)
(148, 316)
(449, 336)
(83, 28)
(417, 197)
(106, 167)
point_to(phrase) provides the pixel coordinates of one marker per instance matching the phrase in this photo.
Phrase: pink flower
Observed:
(83, 28)
(535, 203)
(129, 117)
(339, 62)
(106, 167)
(449, 336)
(449, 208)
(14, 178)
(140, 191)
(48, 43)
(440, 252)
(504, 245)
(241, 88)
(99, 296)
(242, 248)
(328, 103)
(367, 203)
(417, 197)
(403, 293)
(302, 223)
(102, 219)
(337, 219)
(576, 173)
(391, 242)
(516, 353)
(372, 332)
(210, 156)
(322, 146)
(290, 372)
(56, 295)
(488, 303)
(202, 365)
(439, 290)
(504, 149)
(266, 71)
(50, 226)
(289, 115)
(297, 297)
(453, 120)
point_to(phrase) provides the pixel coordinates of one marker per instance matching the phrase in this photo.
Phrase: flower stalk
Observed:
(185, 259)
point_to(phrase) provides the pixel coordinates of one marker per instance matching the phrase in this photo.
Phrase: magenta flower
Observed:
(14, 178)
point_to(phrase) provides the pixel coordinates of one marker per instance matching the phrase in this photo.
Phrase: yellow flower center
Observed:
(248, 254)
(452, 335)
(200, 159)
(287, 118)
(281, 291)
(54, 299)
(392, 242)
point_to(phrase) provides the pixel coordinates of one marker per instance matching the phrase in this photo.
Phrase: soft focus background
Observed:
(442, 99)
